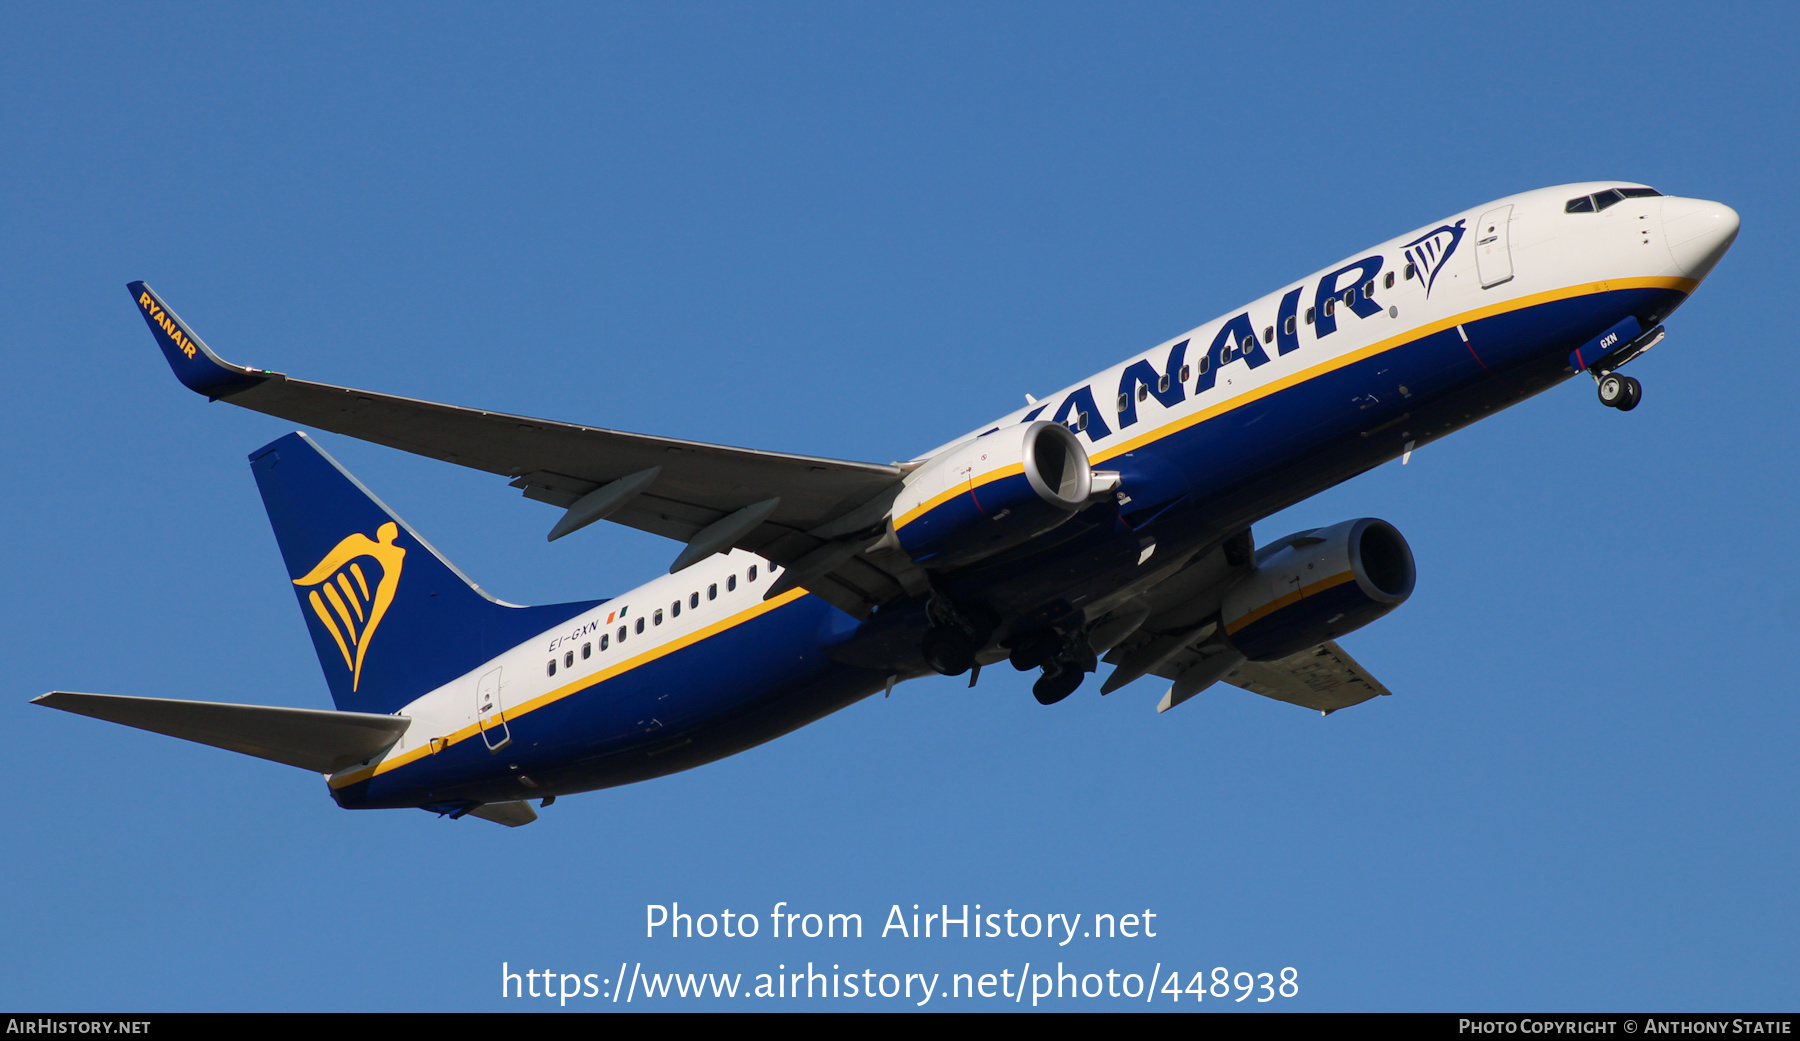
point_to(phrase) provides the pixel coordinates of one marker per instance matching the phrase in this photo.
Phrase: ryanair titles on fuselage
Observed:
(1353, 286)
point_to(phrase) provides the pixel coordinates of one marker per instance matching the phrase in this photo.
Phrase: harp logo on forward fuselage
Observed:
(1430, 251)
(347, 604)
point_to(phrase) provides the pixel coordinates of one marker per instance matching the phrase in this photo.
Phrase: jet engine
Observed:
(991, 493)
(1317, 585)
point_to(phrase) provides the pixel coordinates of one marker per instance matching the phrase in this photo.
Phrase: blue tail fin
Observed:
(390, 618)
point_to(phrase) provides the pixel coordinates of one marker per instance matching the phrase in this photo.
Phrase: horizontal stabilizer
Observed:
(511, 814)
(312, 739)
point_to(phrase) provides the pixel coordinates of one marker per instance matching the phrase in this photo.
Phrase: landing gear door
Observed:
(490, 712)
(1493, 247)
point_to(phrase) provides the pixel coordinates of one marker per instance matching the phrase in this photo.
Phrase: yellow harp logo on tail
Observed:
(344, 600)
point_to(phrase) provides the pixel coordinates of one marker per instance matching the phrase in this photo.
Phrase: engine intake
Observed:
(991, 493)
(1317, 585)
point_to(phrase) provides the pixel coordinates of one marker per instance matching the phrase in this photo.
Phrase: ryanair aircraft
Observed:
(1111, 521)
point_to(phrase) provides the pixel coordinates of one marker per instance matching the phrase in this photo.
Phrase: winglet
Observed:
(195, 365)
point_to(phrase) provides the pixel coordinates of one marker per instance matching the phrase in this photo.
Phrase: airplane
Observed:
(1108, 522)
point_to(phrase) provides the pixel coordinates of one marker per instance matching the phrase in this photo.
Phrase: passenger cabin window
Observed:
(693, 599)
(1143, 392)
(621, 634)
(1268, 334)
(1289, 327)
(675, 609)
(753, 572)
(1389, 284)
(1309, 316)
(658, 618)
(1368, 289)
(712, 591)
(730, 583)
(587, 651)
(640, 624)
(1124, 402)
(552, 670)
(1205, 363)
(1162, 387)
(1412, 272)
(605, 639)
(569, 660)
(1185, 370)
(1331, 306)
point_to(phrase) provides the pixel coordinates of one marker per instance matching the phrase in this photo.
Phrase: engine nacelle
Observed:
(991, 493)
(1317, 585)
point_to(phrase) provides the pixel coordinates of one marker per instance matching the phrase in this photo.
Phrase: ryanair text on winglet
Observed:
(161, 317)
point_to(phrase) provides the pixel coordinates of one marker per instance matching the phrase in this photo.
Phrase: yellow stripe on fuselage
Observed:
(1683, 285)
(444, 741)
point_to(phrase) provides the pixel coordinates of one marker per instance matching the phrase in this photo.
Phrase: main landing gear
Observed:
(956, 634)
(958, 631)
(1066, 661)
(1053, 686)
(1620, 392)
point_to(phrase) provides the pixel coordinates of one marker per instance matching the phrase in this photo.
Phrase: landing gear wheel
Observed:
(949, 651)
(1055, 686)
(1034, 649)
(1634, 393)
(1614, 389)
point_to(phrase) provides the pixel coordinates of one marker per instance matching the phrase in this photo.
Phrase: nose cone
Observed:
(1698, 233)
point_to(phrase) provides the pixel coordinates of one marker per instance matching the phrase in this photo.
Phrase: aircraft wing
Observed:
(803, 512)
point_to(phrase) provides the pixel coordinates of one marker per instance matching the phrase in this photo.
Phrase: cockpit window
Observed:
(1601, 200)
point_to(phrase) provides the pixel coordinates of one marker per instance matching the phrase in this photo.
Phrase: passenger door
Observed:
(490, 713)
(1493, 248)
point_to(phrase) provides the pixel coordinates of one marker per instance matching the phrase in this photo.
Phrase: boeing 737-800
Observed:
(1110, 521)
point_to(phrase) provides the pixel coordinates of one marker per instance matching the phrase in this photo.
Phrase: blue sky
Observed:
(859, 230)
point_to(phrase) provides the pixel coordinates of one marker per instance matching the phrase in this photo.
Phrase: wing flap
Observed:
(512, 814)
(313, 739)
(1324, 678)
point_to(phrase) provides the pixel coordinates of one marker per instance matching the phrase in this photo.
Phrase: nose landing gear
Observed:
(1620, 392)
(1603, 357)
